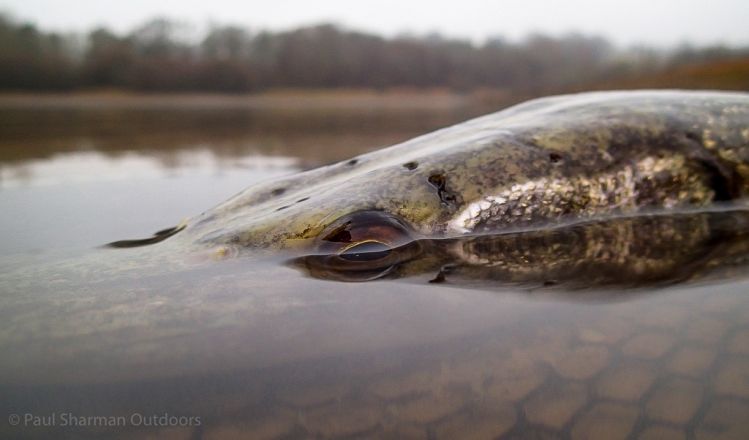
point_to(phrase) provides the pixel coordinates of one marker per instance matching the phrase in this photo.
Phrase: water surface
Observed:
(255, 347)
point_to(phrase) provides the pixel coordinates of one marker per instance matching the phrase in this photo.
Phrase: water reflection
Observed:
(313, 129)
(68, 169)
(86, 199)
(642, 251)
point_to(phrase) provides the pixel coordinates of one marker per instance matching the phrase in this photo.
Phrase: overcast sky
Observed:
(655, 22)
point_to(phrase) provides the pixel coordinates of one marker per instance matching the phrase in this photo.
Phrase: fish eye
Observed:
(362, 246)
(364, 236)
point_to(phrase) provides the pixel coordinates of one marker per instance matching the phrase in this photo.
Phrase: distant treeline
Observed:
(154, 57)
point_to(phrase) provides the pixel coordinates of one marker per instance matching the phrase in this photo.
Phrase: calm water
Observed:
(96, 346)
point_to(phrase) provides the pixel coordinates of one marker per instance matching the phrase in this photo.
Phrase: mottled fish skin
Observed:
(581, 156)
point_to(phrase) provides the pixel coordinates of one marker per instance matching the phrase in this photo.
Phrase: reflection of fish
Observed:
(637, 251)
(578, 156)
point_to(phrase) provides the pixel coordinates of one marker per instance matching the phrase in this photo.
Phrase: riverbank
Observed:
(284, 99)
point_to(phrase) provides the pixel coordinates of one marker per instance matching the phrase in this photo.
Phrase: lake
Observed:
(97, 344)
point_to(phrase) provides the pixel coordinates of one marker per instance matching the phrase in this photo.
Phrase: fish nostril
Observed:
(693, 137)
(410, 166)
(278, 191)
(352, 162)
(302, 199)
(439, 181)
(555, 157)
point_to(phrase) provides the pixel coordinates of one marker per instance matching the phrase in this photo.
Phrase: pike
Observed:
(583, 156)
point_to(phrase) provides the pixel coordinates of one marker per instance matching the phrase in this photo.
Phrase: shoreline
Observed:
(283, 99)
